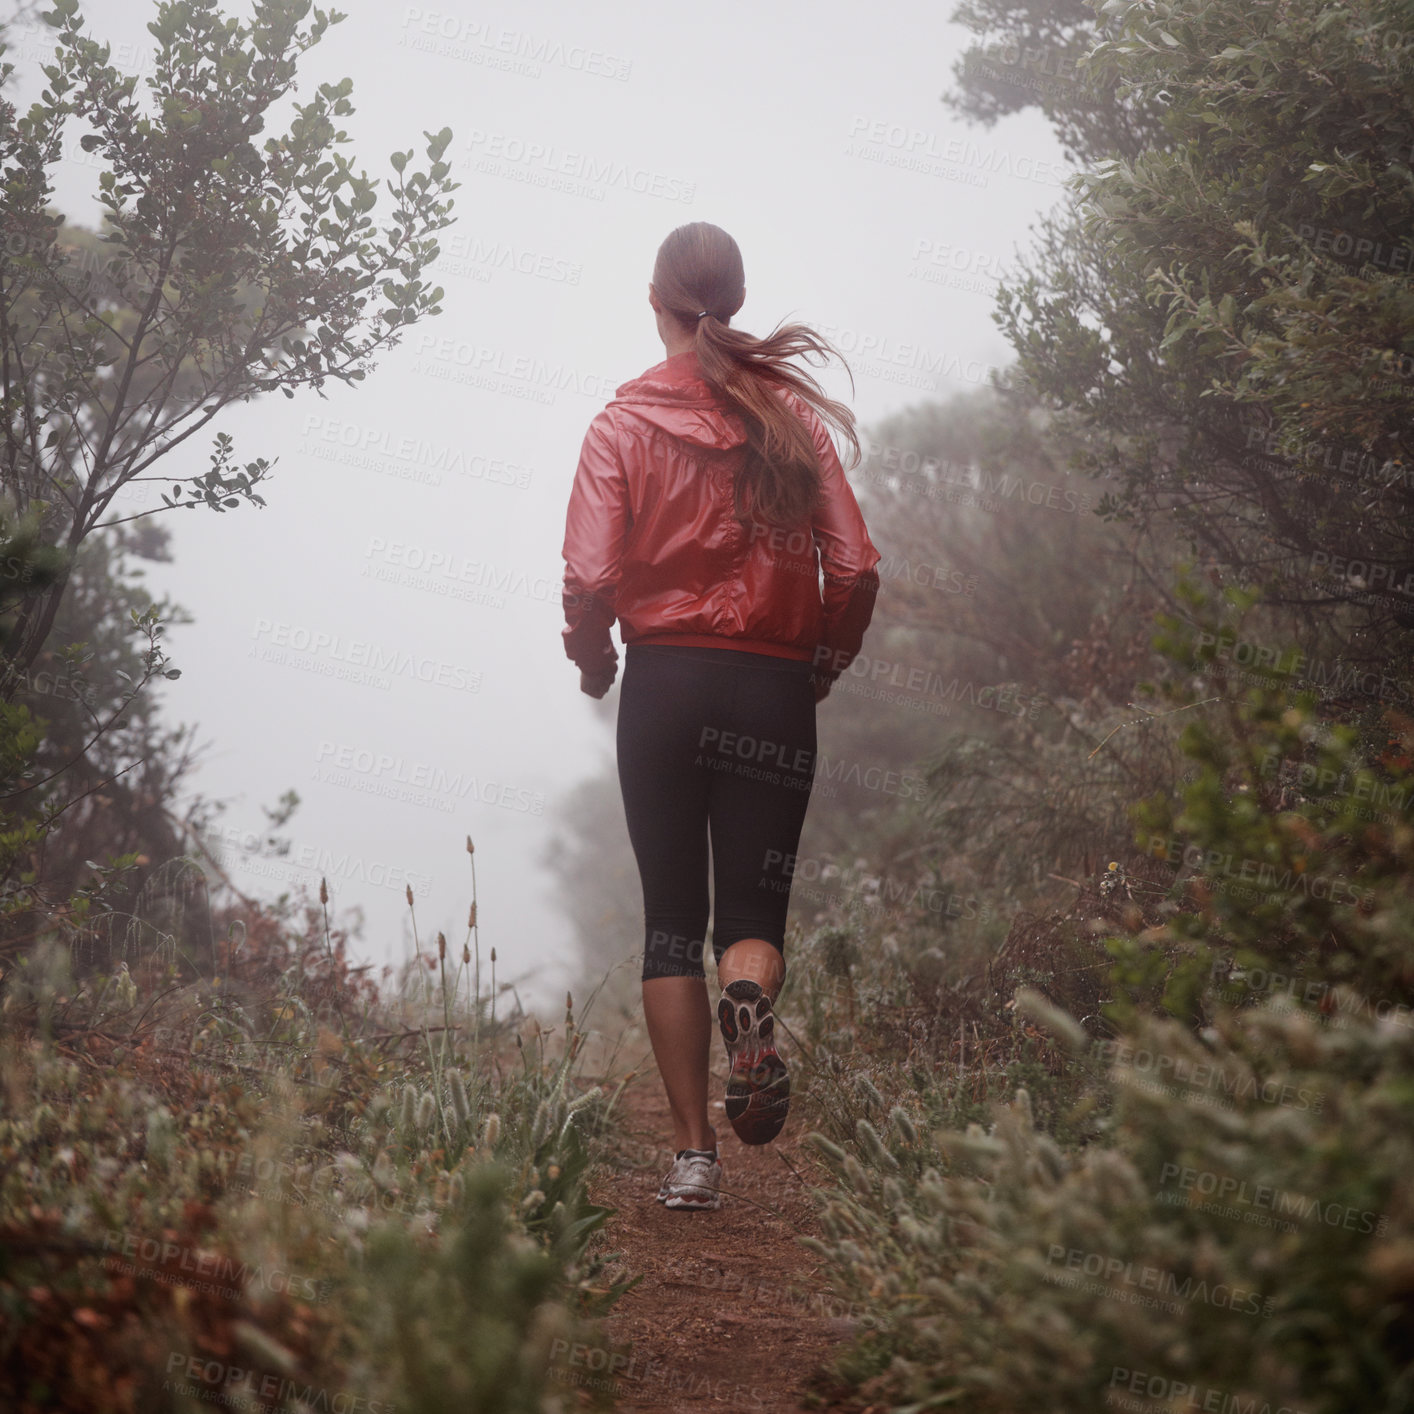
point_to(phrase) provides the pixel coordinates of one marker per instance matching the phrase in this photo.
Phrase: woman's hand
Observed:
(597, 684)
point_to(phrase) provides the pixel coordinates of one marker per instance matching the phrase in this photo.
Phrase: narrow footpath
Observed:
(732, 1313)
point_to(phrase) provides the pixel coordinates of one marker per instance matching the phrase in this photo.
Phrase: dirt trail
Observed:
(732, 1314)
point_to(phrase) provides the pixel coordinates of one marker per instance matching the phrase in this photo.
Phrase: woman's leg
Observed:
(757, 810)
(665, 806)
(679, 1018)
(757, 961)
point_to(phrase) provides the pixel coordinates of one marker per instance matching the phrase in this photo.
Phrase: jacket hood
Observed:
(673, 396)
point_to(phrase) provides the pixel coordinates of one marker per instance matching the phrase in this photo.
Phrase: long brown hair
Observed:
(699, 267)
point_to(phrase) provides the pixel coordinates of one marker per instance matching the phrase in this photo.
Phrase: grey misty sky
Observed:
(792, 126)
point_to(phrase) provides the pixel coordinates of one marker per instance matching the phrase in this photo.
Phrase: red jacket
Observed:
(651, 537)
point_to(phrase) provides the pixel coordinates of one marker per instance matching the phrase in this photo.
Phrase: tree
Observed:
(1030, 56)
(103, 777)
(1225, 319)
(224, 269)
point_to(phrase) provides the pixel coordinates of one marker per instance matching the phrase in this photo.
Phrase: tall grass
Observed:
(281, 1182)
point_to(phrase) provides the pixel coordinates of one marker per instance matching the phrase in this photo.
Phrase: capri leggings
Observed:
(719, 743)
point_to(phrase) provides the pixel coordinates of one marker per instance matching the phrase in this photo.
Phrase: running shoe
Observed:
(694, 1181)
(758, 1087)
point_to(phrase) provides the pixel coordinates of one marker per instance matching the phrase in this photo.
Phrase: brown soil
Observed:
(732, 1313)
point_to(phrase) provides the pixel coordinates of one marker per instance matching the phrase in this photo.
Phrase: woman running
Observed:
(707, 501)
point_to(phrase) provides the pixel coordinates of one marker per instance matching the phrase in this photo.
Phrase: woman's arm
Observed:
(596, 527)
(848, 559)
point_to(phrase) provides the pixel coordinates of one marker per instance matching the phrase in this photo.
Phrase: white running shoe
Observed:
(694, 1181)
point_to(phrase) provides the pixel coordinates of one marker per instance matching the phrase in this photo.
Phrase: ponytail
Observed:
(699, 268)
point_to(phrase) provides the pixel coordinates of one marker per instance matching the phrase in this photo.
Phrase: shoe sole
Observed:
(680, 1202)
(684, 1197)
(758, 1087)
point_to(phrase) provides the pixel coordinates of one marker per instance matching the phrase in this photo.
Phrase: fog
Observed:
(415, 521)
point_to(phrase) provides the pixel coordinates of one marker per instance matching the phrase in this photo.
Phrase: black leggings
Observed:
(713, 741)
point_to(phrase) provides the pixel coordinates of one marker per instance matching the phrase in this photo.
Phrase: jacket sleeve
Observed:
(847, 558)
(596, 528)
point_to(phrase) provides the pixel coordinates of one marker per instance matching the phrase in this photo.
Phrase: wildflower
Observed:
(426, 1111)
(127, 988)
(827, 1147)
(874, 1146)
(903, 1124)
(858, 1177)
(580, 1101)
(461, 1106)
